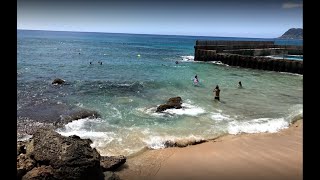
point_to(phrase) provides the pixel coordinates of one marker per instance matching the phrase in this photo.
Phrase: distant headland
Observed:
(293, 33)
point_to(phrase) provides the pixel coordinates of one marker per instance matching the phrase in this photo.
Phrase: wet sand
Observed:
(247, 156)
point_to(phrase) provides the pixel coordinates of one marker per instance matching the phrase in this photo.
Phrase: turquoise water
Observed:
(137, 74)
(288, 57)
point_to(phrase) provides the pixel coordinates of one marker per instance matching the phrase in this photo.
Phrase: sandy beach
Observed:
(247, 156)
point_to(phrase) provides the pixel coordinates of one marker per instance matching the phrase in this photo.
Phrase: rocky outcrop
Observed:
(49, 155)
(40, 173)
(71, 157)
(75, 114)
(183, 143)
(111, 163)
(24, 164)
(174, 102)
(58, 81)
(293, 33)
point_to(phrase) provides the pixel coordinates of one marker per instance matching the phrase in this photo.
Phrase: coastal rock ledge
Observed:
(49, 155)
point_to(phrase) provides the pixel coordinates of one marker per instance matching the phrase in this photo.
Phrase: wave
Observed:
(85, 128)
(268, 125)
(160, 142)
(220, 116)
(257, 126)
(289, 73)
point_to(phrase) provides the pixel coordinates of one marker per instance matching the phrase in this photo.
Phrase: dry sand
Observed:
(247, 156)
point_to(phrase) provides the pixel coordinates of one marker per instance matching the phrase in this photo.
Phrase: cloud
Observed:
(290, 5)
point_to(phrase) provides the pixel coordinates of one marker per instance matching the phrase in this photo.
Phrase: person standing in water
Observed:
(239, 85)
(196, 80)
(217, 93)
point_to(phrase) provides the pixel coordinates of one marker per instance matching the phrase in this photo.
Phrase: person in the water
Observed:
(196, 80)
(217, 93)
(239, 85)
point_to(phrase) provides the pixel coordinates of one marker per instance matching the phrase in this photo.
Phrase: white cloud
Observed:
(290, 5)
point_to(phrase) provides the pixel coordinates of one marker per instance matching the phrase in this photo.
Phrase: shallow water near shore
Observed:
(138, 73)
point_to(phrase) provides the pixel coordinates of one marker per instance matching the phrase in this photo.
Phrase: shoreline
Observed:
(245, 156)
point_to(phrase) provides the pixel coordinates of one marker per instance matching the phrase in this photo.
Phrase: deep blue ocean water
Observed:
(138, 73)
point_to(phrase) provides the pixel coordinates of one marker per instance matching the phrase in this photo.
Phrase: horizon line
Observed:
(145, 34)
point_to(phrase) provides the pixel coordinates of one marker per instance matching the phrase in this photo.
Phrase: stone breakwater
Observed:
(249, 54)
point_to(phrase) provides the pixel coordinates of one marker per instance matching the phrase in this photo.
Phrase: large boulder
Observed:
(49, 155)
(70, 157)
(174, 102)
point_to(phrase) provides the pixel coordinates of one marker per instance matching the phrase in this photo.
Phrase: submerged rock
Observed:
(58, 81)
(50, 114)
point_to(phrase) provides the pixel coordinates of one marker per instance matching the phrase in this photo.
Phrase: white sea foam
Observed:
(187, 58)
(116, 113)
(218, 63)
(159, 142)
(289, 73)
(82, 129)
(79, 105)
(150, 112)
(155, 142)
(295, 113)
(257, 126)
(220, 117)
(187, 109)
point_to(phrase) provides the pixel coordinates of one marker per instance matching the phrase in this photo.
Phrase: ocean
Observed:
(130, 75)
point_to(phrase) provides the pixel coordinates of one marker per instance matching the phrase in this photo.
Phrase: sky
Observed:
(222, 18)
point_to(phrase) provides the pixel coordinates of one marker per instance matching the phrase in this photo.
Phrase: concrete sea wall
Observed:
(249, 54)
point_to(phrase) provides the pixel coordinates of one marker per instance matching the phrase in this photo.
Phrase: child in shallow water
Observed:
(196, 80)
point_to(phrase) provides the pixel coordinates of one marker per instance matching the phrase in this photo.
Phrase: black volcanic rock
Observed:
(70, 157)
(51, 156)
(58, 81)
(111, 163)
(293, 33)
(174, 102)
